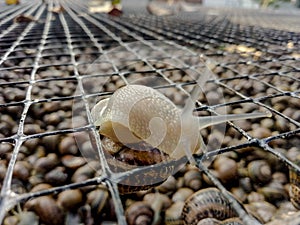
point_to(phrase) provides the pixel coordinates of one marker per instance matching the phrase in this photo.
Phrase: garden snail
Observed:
(208, 204)
(139, 121)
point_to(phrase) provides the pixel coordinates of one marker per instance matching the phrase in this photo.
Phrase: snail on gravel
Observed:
(140, 126)
(208, 206)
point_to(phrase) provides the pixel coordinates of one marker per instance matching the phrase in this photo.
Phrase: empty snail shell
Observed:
(207, 203)
(139, 213)
(259, 171)
(139, 119)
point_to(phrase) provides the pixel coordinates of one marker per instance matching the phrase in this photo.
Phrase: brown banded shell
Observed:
(207, 203)
(259, 171)
(139, 213)
(294, 193)
(294, 190)
(127, 159)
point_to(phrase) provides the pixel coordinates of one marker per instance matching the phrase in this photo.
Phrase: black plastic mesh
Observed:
(45, 73)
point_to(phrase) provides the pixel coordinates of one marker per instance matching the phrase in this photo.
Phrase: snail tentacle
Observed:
(206, 121)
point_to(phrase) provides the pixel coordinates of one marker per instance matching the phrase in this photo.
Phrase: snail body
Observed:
(137, 119)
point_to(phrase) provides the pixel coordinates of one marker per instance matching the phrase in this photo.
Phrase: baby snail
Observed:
(140, 126)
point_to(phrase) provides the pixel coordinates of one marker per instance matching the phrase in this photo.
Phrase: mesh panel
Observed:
(56, 65)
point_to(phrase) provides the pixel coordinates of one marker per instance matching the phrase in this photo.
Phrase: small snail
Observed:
(259, 171)
(139, 213)
(207, 203)
(140, 126)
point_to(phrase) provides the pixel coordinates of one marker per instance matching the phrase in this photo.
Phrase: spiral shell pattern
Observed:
(207, 203)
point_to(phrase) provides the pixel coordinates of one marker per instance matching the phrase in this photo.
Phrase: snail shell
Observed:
(294, 190)
(259, 171)
(193, 179)
(207, 203)
(139, 213)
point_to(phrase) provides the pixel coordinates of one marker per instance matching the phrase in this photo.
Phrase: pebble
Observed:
(47, 210)
(72, 162)
(70, 199)
(57, 176)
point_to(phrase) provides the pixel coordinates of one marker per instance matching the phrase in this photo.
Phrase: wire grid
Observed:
(63, 43)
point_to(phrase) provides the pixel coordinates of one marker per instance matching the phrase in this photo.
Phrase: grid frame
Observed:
(120, 32)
